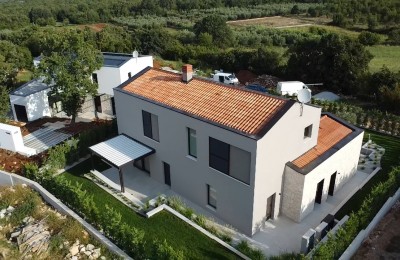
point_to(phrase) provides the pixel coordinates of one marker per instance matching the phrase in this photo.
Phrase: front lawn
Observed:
(162, 226)
(390, 159)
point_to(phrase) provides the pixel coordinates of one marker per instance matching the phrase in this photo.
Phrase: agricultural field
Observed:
(385, 55)
(281, 21)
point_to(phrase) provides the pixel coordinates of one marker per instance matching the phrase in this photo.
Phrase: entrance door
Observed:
(332, 184)
(318, 195)
(167, 174)
(270, 207)
(97, 104)
(20, 112)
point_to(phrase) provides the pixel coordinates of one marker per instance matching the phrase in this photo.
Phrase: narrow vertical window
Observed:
(129, 75)
(192, 140)
(308, 131)
(150, 125)
(212, 196)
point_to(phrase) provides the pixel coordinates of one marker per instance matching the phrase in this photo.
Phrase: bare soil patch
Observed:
(281, 21)
(96, 27)
(384, 240)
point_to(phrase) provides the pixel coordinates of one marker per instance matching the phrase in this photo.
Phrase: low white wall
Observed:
(344, 162)
(7, 179)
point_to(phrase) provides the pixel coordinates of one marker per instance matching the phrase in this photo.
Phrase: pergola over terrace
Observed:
(120, 151)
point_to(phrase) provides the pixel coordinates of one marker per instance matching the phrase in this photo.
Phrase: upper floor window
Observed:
(230, 160)
(308, 131)
(129, 74)
(150, 125)
(192, 141)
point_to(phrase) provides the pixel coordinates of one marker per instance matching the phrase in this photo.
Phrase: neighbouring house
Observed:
(117, 68)
(243, 155)
(31, 102)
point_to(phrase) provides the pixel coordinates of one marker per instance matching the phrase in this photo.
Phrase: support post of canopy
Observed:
(121, 180)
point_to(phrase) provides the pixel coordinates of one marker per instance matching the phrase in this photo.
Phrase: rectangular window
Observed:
(211, 196)
(219, 155)
(150, 125)
(94, 77)
(192, 140)
(308, 131)
(230, 160)
(129, 75)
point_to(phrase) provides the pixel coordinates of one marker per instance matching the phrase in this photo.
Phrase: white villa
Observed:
(242, 155)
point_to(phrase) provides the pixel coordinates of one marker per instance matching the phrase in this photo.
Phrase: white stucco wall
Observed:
(283, 143)
(134, 66)
(111, 77)
(189, 176)
(36, 105)
(108, 78)
(344, 162)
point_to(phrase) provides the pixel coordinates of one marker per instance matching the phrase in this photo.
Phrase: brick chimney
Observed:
(187, 72)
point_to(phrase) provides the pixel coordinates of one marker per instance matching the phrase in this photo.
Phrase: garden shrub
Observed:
(338, 243)
(254, 254)
(163, 251)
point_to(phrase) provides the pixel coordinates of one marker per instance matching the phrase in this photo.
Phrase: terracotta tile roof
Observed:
(244, 111)
(330, 133)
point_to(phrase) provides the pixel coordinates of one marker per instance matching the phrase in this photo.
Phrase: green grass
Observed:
(390, 159)
(162, 226)
(385, 55)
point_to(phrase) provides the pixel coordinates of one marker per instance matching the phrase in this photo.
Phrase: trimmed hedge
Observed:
(128, 238)
(338, 243)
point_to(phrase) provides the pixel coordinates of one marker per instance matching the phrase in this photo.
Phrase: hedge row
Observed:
(371, 119)
(128, 238)
(338, 243)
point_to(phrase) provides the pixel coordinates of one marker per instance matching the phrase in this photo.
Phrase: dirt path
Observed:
(384, 240)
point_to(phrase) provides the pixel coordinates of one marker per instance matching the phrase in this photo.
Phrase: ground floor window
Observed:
(212, 196)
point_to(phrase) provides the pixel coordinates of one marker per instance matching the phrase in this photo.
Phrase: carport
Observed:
(120, 151)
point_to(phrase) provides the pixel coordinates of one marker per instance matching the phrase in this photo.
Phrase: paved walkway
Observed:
(278, 236)
(139, 184)
(284, 235)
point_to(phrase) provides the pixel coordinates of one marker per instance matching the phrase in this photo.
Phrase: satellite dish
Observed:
(135, 54)
(304, 95)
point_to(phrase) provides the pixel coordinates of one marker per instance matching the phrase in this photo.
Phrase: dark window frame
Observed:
(189, 143)
(216, 161)
(308, 131)
(208, 197)
(129, 75)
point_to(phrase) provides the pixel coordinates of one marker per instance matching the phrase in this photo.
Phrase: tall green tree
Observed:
(337, 61)
(4, 103)
(13, 58)
(68, 65)
(216, 26)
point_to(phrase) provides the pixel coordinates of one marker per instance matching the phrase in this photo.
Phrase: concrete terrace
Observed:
(276, 237)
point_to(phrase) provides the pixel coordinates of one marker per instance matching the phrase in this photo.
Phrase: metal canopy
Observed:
(121, 150)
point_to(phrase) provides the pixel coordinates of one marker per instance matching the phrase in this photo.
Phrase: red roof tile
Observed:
(330, 133)
(245, 111)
